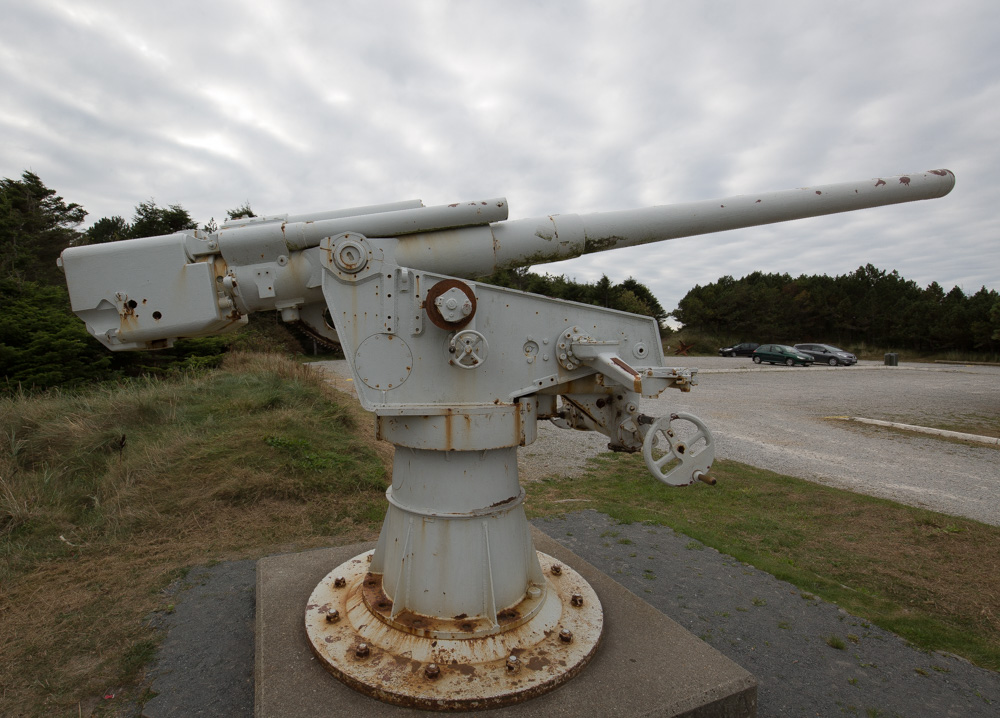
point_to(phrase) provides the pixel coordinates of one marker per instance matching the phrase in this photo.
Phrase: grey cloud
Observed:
(562, 107)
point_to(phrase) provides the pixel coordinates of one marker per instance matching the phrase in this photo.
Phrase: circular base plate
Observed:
(471, 672)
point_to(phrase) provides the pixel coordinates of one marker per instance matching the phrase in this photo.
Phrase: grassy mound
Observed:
(107, 495)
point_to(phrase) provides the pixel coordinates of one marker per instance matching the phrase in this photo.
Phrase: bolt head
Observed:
(576, 600)
(513, 664)
(432, 670)
(332, 616)
(556, 569)
(566, 635)
(362, 650)
(339, 582)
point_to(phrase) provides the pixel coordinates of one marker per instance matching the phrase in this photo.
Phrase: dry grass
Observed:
(259, 457)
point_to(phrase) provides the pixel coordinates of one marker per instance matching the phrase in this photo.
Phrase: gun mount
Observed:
(458, 373)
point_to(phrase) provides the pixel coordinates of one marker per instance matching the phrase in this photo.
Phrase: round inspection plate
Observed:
(383, 361)
(364, 652)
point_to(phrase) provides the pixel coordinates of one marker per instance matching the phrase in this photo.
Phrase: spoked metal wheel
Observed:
(678, 449)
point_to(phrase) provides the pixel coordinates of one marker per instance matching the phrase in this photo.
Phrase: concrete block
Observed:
(646, 665)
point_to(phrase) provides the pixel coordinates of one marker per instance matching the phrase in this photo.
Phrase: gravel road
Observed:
(775, 418)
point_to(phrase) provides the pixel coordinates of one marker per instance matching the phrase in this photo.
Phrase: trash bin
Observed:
(892, 359)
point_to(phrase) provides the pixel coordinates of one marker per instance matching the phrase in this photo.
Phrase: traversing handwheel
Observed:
(468, 349)
(678, 454)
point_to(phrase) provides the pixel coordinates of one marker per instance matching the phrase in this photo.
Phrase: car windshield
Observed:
(785, 348)
(832, 348)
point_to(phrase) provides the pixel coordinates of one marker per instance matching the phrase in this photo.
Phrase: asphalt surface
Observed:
(809, 657)
(205, 664)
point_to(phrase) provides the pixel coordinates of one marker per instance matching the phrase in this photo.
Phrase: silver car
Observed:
(827, 354)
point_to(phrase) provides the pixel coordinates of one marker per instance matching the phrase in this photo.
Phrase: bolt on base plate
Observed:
(359, 647)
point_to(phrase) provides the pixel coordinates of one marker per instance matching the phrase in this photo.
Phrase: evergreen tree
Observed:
(35, 226)
(151, 220)
(107, 229)
(241, 212)
(869, 305)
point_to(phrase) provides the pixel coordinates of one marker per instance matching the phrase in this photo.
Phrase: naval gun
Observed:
(458, 374)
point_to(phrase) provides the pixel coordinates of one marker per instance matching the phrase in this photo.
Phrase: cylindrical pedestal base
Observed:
(349, 631)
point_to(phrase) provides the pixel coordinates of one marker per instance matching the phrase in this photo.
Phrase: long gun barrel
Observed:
(145, 293)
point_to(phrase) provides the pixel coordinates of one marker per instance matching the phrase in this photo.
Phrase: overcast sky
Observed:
(299, 106)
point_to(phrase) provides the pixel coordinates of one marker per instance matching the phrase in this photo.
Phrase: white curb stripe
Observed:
(923, 430)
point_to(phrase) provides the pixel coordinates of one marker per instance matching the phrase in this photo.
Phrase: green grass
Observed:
(108, 495)
(932, 578)
(836, 642)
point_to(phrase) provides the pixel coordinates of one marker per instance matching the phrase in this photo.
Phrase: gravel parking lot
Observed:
(776, 418)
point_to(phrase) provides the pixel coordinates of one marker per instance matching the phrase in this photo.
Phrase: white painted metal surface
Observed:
(269, 263)
(458, 374)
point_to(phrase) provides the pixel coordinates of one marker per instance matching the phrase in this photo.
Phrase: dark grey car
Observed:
(827, 354)
(743, 350)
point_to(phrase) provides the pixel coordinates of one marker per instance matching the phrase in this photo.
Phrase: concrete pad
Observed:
(646, 665)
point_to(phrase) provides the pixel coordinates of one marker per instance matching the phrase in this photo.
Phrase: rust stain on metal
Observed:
(904, 181)
(582, 409)
(507, 615)
(472, 672)
(518, 426)
(505, 501)
(434, 314)
(818, 192)
(880, 183)
(637, 379)
(940, 173)
(622, 365)
(537, 663)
